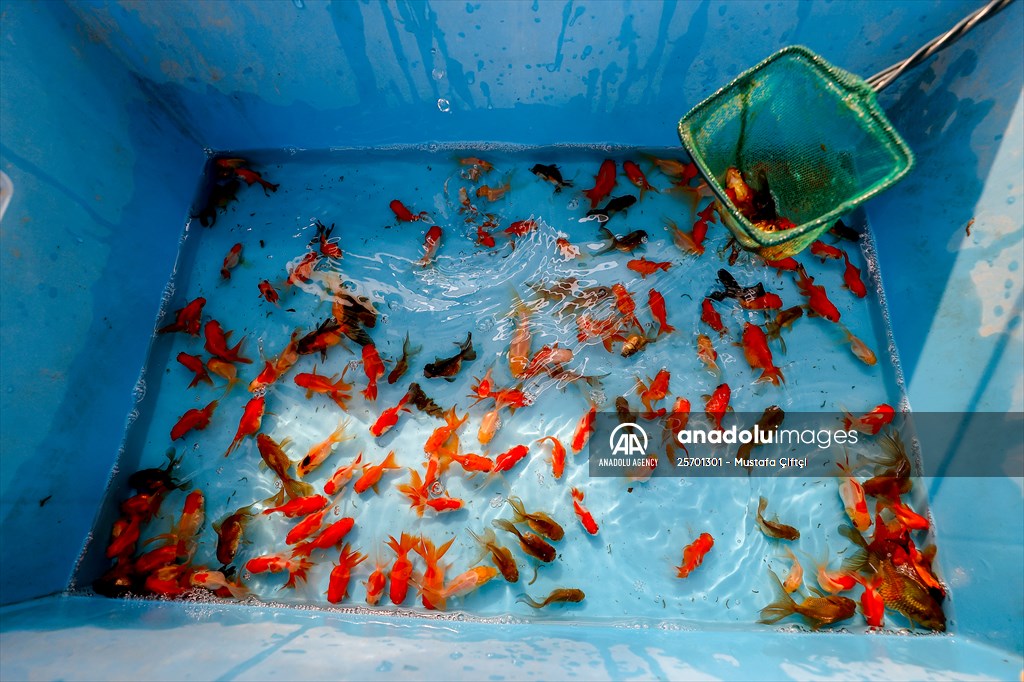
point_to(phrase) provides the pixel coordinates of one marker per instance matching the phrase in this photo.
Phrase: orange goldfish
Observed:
(333, 387)
(508, 459)
(300, 506)
(231, 261)
(337, 587)
(373, 473)
(795, 578)
(603, 184)
(225, 370)
(710, 316)
(582, 513)
(557, 455)
(328, 537)
(657, 390)
(584, 428)
(322, 450)
(389, 418)
(656, 302)
(626, 305)
(275, 563)
(707, 354)
(817, 298)
(343, 475)
(852, 494)
(306, 527)
(217, 344)
(694, 553)
(419, 494)
(401, 571)
(216, 581)
(373, 366)
(268, 292)
(193, 419)
(717, 405)
(646, 267)
(758, 355)
(433, 576)
(303, 270)
(186, 319)
(852, 279)
(489, 425)
(870, 423)
(249, 424)
(817, 611)
(637, 177)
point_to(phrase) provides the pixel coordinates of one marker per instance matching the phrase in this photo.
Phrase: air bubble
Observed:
(497, 501)
(443, 105)
(485, 324)
(438, 74)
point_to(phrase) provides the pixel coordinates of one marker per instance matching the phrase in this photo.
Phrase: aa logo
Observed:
(628, 439)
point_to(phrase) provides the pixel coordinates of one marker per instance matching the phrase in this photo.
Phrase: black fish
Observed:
(158, 480)
(551, 174)
(447, 368)
(358, 309)
(626, 244)
(841, 230)
(624, 411)
(403, 364)
(614, 205)
(734, 290)
(423, 403)
(219, 195)
(313, 341)
(771, 420)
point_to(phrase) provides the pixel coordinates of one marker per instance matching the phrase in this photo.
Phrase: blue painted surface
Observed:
(101, 184)
(106, 107)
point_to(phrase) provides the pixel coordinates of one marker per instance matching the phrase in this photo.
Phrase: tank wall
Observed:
(315, 74)
(101, 180)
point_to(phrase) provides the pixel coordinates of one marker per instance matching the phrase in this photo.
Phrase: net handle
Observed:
(886, 76)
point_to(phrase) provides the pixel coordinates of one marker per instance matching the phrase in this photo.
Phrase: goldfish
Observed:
(656, 303)
(770, 421)
(447, 368)
(710, 316)
(567, 250)
(229, 533)
(582, 513)
(824, 251)
(508, 459)
(124, 535)
(401, 571)
(607, 330)
(474, 161)
(717, 405)
(817, 298)
(520, 228)
(194, 364)
(249, 424)
(627, 243)
(551, 174)
(519, 345)
(302, 271)
(186, 319)
(493, 193)
(373, 473)
(707, 354)
(851, 492)
(834, 581)
(440, 435)
(538, 521)
(215, 581)
(193, 419)
(603, 183)
(156, 558)
(769, 301)
(373, 367)
(859, 349)
(817, 611)
(563, 595)
(872, 605)
(431, 244)
(328, 247)
(656, 391)
(327, 334)
(501, 556)
(546, 359)
(275, 563)
(300, 506)
(423, 402)
(389, 417)
(333, 387)
(217, 344)
(557, 455)
(774, 529)
(251, 177)
(637, 177)
(340, 478)
(419, 494)
(625, 304)
(433, 576)
(489, 425)
(306, 527)
(193, 513)
(787, 264)
(404, 214)
(694, 553)
(870, 423)
(635, 343)
(402, 366)
(143, 506)
(759, 356)
(907, 517)
(169, 581)
(795, 577)
(646, 267)
(481, 390)
(688, 242)
(376, 584)
(473, 463)
(471, 580)
(584, 429)
(322, 450)
(485, 238)
(337, 586)
(676, 421)
(277, 461)
(532, 544)
(783, 320)
(231, 261)
(852, 279)
(674, 168)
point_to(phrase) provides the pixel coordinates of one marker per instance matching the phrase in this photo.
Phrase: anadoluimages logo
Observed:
(628, 439)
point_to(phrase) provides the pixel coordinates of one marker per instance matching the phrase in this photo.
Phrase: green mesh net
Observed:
(811, 134)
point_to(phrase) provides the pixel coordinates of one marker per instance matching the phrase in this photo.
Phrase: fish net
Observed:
(808, 133)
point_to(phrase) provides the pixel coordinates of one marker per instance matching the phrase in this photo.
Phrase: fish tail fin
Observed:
(784, 606)
(772, 375)
(297, 489)
(665, 329)
(298, 574)
(527, 599)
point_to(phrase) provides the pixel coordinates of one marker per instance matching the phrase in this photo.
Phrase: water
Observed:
(627, 569)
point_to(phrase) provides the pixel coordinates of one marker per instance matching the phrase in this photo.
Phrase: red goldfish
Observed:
(851, 492)
(300, 506)
(217, 344)
(186, 319)
(694, 553)
(251, 177)
(852, 279)
(637, 177)
(823, 250)
(433, 576)
(657, 390)
(872, 605)
(759, 356)
(193, 419)
(431, 243)
(404, 214)
(249, 424)
(343, 475)
(817, 297)
(373, 366)
(231, 260)
(376, 584)
(656, 302)
(582, 513)
(789, 264)
(584, 428)
(707, 353)
(870, 423)
(306, 527)
(626, 305)
(603, 184)
(334, 388)
(194, 364)
(717, 405)
(557, 455)
(645, 267)
(337, 586)
(419, 494)
(303, 270)
(275, 563)
(389, 418)
(508, 459)
(401, 571)
(328, 247)
(373, 473)
(710, 316)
